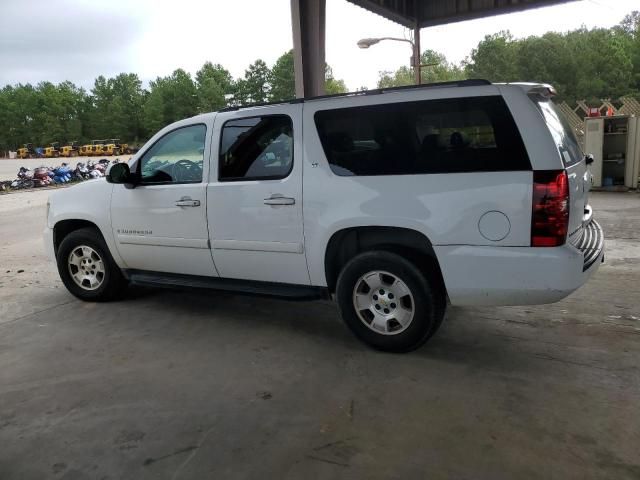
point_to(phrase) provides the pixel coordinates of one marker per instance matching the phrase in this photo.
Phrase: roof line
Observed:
(377, 91)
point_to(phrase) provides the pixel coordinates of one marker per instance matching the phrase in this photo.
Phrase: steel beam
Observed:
(308, 23)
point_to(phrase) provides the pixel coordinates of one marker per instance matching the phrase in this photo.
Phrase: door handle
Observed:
(187, 202)
(277, 199)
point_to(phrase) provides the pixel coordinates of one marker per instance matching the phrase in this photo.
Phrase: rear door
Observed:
(574, 162)
(254, 197)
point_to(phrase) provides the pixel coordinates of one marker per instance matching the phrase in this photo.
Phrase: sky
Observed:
(78, 40)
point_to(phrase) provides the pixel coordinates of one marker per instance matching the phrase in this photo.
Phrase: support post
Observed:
(308, 25)
(417, 60)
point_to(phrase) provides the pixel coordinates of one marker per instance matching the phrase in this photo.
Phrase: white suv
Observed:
(394, 202)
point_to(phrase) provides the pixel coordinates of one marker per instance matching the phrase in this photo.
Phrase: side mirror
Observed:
(119, 173)
(589, 159)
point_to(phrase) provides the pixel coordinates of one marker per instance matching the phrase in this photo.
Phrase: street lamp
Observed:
(415, 48)
(367, 42)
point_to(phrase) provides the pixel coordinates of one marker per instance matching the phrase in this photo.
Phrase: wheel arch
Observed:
(408, 243)
(63, 228)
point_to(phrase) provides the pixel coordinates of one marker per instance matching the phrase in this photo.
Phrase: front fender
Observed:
(88, 201)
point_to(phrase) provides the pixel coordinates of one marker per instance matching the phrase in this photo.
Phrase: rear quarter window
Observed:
(560, 130)
(475, 134)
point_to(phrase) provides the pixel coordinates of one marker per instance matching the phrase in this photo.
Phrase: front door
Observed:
(161, 225)
(254, 199)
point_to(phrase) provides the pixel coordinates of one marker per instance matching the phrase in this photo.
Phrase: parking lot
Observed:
(178, 384)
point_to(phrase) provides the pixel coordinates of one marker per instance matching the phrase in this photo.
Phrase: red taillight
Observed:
(550, 216)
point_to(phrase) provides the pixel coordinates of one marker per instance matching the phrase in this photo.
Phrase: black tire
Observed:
(428, 305)
(112, 283)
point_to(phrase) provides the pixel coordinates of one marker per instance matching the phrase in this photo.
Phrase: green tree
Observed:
(494, 59)
(214, 83)
(535, 64)
(17, 120)
(277, 84)
(630, 29)
(283, 80)
(437, 69)
(40, 114)
(605, 65)
(333, 85)
(170, 99)
(117, 104)
(255, 86)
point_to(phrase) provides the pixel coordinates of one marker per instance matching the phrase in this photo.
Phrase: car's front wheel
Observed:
(388, 302)
(87, 268)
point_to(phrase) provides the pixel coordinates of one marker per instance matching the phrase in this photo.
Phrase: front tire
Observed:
(388, 302)
(86, 267)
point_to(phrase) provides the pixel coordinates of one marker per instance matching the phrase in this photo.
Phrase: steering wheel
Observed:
(186, 171)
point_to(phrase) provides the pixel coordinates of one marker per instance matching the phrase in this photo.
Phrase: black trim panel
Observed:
(251, 287)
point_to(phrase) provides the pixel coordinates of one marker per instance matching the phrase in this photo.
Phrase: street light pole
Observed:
(416, 54)
(416, 61)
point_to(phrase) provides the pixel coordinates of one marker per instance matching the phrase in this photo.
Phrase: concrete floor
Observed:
(210, 385)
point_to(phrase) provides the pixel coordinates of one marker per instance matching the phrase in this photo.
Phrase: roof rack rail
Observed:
(458, 83)
(233, 108)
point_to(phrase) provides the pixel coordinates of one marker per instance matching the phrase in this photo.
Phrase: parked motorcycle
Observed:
(62, 174)
(44, 176)
(41, 177)
(81, 172)
(24, 180)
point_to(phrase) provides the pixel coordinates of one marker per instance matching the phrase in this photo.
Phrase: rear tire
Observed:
(86, 267)
(388, 303)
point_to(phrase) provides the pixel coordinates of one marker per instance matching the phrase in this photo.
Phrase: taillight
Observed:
(550, 216)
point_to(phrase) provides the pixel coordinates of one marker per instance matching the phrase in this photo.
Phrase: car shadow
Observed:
(480, 339)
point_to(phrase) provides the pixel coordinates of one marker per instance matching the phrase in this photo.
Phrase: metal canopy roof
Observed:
(428, 13)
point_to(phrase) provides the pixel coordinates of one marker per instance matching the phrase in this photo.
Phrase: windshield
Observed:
(561, 131)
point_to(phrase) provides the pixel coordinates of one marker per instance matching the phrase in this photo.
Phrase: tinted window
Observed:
(256, 148)
(561, 132)
(436, 136)
(175, 158)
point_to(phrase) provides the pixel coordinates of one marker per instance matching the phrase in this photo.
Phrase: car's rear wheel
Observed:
(87, 268)
(388, 302)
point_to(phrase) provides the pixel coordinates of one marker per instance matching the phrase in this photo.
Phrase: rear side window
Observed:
(256, 148)
(561, 132)
(476, 134)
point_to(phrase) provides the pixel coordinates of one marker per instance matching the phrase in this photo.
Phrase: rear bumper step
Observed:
(591, 243)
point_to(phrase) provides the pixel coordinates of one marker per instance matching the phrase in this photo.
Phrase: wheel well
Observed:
(410, 244)
(65, 227)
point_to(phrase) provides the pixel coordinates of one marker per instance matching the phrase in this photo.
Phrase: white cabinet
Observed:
(614, 143)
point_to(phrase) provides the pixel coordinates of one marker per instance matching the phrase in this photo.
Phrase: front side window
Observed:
(473, 134)
(256, 148)
(175, 158)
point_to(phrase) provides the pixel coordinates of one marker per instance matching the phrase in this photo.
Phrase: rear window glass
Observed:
(561, 132)
(476, 134)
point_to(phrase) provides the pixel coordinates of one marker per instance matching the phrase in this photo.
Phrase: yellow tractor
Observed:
(98, 147)
(52, 150)
(114, 147)
(27, 151)
(85, 150)
(69, 150)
